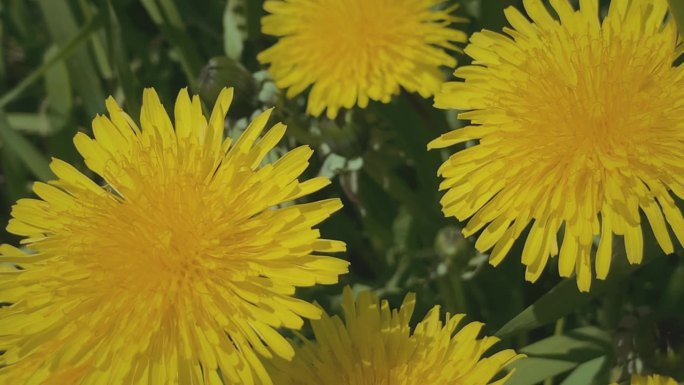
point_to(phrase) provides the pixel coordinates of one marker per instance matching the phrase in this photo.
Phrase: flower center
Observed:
(593, 102)
(165, 234)
(355, 25)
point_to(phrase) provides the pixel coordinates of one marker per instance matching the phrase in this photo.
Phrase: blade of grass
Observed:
(559, 354)
(59, 93)
(30, 123)
(65, 52)
(562, 300)
(24, 150)
(2, 52)
(97, 42)
(404, 114)
(62, 27)
(129, 83)
(255, 10)
(165, 14)
(587, 372)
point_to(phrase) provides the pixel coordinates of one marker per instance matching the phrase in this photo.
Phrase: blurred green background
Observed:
(61, 58)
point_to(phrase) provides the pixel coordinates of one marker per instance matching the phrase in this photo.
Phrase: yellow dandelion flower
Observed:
(579, 124)
(354, 51)
(374, 345)
(179, 270)
(651, 380)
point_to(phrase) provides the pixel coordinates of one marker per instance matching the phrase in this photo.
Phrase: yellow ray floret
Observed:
(374, 345)
(651, 380)
(178, 270)
(580, 130)
(353, 51)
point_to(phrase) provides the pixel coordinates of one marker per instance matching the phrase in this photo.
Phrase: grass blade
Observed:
(97, 43)
(562, 300)
(581, 349)
(59, 94)
(24, 150)
(86, 81)
(165, 14)
(129, 83)
(587, 372)
(65, 52)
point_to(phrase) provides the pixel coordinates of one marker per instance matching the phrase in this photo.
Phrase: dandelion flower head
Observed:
(180, 269)
(353, 51)
(579, 123)
(651, 380)
(375, 345)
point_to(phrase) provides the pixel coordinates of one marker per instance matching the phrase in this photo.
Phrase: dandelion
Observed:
(354, 51)
(374, 345)
(651, 380)
(179, 270)
(579, 126)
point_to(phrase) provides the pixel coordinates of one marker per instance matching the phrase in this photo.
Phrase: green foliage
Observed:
(677, 9)
(584, 351)
(61, 58)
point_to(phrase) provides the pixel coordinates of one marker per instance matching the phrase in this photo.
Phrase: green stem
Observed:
(459, 291)
(446, 293)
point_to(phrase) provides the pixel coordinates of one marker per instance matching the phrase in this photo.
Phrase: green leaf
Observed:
(563, 299)
(129, 83)
(234, 26)
(65, 51)
(85, 78)
(59, 93)
(255, 10)
(32, 123)
(531, 371)
(571, 344)
(559, 354)
(677, 9)
(376, 167)
(97, 43)
(165, 14)
(24, 150)
(587, 372)
(416, 123)
(673, 298)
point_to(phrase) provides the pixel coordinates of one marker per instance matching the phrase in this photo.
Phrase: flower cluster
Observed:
(179, 269)
(578, 123)
(175, 258)
(651, 380)
(353, 51)
(374, 345)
